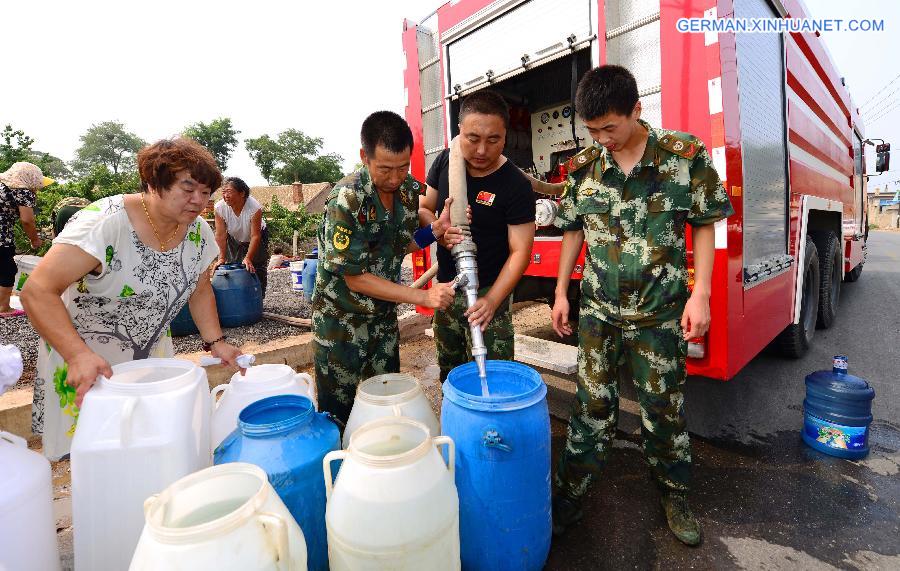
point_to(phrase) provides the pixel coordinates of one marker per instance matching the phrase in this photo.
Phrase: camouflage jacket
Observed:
(636, 270)
(358, 235)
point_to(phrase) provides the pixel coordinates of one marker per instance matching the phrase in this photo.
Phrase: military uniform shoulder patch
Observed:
(680, 144)
(582, 158)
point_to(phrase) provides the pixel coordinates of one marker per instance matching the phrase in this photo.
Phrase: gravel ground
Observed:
(280, 299)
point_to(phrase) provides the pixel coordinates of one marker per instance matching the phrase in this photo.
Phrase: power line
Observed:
(886, 112)
(886, 98)
(879, 91)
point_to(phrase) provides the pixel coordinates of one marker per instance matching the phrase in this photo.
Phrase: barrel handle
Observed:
(326, 468)
(307, 380)
(126, 420)
(397, 410)
(13, 439)
(282, 546)
(492, 439)
(215, 393)
(148, 504)
(451, 451)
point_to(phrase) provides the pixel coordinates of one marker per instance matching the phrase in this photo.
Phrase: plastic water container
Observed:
(393, 505)
(503, 465)
(392, 394)
(226, 518)
(287, 438)
(297, 275)
(310, 265)
(837, 412)
(259, 382)
(183, 324)
(27, 526)
(138, 432)
(238, 295)
(25, 264)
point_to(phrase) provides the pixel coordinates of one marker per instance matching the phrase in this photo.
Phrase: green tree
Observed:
(218, 136)
(282, 222)
(107, 144)
(15, 146)
(264, 152)
(294, 157)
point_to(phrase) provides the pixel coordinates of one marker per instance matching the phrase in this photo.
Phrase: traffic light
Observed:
(883, 157)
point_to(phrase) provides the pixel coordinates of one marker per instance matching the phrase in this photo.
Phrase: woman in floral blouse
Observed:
(136, 260)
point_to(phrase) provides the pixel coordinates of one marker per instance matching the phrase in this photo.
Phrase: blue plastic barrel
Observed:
(183, 324)
(502, 465)
(310, 265)
(238, 295)
(837, 412)
(287, 438)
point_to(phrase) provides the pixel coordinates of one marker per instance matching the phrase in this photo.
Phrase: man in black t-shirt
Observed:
(502, 225)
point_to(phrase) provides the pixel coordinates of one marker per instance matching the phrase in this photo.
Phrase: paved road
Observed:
(765, 500)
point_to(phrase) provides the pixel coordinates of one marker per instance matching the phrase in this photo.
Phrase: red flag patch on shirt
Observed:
(486, 198)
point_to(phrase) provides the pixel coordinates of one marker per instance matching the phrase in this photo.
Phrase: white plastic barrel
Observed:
(27, 527)
(25, 264)
(226, 518)
(391, 394)
(394, 503)
(138, 432)
(297, 275)
(259, 382)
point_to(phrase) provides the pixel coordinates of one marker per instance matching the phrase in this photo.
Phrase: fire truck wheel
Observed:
(831, 260)
(796, 338)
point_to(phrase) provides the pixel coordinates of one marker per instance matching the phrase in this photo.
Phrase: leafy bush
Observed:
(282, 223)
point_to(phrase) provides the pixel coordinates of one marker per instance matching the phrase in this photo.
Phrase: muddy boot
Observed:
(681, 521)
(566, 511)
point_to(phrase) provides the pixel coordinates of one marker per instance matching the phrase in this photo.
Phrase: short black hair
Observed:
(278, 250)
(606, 89)
(387, 129)
(486, 102)
(238, 184)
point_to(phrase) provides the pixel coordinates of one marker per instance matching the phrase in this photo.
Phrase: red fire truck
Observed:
(774, 113)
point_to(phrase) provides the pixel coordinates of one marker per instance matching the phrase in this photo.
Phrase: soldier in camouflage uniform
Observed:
(636, 310)
(370, 219)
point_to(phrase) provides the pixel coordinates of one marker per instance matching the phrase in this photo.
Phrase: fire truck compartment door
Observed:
(533, 28)
(761, 80)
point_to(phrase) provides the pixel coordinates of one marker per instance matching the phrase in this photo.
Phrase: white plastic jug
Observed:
(392, 394)
(297, 275)
(261, 381)
(138, 431)
(227, 517)
(394, 503)
(27, 527)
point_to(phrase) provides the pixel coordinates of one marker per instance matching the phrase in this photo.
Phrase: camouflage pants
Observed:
(654, 358)
(349, 350)
(451, 334)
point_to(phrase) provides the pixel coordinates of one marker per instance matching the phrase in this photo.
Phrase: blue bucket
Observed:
(837, 412)
(286, 437)
(502, 465)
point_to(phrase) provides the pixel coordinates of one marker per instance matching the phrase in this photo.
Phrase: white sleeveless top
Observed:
(239, 225)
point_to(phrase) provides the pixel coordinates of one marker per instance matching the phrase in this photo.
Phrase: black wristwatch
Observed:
(207, 346)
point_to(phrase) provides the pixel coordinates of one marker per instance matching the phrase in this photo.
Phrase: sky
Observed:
(320, 67)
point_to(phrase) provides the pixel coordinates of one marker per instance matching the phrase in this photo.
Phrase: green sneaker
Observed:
(681, 521)
(566, 511)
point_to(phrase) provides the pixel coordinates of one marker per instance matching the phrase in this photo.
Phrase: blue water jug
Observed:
(837, 412)
(183, 324)
(287, 438)
(502, 465)
(238, 295)
(309, 273)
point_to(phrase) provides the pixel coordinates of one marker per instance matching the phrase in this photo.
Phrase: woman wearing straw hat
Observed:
(18, 188)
